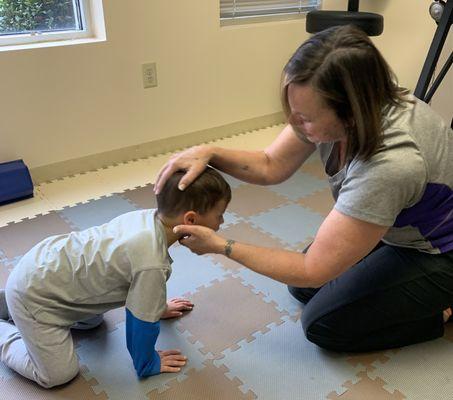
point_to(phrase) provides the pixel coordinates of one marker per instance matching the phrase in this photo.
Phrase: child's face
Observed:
(214, 217)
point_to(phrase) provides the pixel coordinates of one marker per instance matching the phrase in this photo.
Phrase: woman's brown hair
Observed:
(353, 78)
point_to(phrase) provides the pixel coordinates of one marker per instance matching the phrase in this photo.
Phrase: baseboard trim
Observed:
(93, 162)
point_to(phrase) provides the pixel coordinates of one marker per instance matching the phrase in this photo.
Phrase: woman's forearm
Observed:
(288, 267)
(282, 265)
(276, 163)
(248, 166)
(272, 165)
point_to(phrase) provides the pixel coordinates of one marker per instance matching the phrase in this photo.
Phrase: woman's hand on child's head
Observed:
(193, 161)
(175, 308)
(171, 360)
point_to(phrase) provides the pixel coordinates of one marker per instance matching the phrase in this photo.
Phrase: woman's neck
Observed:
(342, 148)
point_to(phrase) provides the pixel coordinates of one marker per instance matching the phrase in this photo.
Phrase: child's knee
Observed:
(58, 376)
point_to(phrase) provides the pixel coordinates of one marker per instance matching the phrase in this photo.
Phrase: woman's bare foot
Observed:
(447, 314)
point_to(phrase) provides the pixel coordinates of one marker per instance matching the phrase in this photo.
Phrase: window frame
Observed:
(92, 16)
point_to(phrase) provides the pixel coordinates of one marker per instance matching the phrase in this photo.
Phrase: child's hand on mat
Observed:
(171, 360)
(175, 307)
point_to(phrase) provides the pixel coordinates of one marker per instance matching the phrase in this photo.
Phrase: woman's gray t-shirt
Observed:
(407, 185)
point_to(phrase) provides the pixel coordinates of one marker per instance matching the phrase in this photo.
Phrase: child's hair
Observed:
(201, 195)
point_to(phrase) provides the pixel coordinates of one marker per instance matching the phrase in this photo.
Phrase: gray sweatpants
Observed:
(41, 352)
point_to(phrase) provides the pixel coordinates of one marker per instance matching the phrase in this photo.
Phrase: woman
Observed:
(379, 273)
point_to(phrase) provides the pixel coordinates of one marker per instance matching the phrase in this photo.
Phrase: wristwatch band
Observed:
(229, 247)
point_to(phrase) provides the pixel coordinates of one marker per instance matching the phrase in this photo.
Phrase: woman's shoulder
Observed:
(412, 117)
(398, 160)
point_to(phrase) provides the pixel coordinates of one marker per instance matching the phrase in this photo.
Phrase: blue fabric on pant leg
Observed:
(393, 297)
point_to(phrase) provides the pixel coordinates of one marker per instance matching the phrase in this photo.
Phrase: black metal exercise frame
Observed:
(353, 5)
(433, 56)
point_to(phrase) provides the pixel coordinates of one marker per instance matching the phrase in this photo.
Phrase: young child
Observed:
(74, 277)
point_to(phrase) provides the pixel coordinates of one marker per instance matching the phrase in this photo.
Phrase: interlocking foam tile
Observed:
(154, 165)
(315, 168)
(282, 364)
(272, 291)
(299, 185)
(73, 190)
(18, 238)
(244, 200)
(252, 140)
(225, 262)
(245, 232)
(142, 197)
(233, 182)
(367, 388)
(12, 262)
(224, 305)
(28, 208)
(230, 219)
(191, 272)
(120, 177)
(4, 273)
(109, 362)
(420, 372)
(96, 212)
(321, 202)
(291, 223)
(208, 384)
(112, 319)
(17, 387)
(368, 359)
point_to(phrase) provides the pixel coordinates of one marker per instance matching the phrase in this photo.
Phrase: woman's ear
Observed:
(190, 218)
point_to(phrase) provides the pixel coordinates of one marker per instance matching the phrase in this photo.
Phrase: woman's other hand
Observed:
(199, 239)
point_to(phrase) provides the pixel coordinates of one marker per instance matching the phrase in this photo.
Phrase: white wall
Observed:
(68, 102)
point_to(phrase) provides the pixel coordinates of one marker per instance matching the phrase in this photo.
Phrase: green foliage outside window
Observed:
(36, 15)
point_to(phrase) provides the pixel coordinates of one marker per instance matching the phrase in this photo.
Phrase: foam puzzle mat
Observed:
(243, 338)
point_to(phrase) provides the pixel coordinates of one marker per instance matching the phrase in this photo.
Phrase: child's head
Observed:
(203, 202)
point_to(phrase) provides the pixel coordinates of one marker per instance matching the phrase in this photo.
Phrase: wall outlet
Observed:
(149, 73)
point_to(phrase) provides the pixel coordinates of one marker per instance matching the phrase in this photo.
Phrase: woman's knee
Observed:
(303, 295)
(324, 334)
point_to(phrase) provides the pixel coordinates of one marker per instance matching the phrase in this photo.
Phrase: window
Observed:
(32, 22)
(236, 9)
